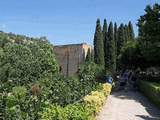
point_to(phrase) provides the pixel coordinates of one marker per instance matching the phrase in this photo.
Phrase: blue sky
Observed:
(66, 21)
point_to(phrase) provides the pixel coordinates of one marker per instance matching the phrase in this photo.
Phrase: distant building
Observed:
(70, 57)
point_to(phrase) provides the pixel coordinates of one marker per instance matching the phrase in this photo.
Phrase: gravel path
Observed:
(128, 106)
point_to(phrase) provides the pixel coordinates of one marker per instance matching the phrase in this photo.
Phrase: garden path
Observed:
(129, 105)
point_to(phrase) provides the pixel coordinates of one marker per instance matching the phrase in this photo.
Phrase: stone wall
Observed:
(70, 57)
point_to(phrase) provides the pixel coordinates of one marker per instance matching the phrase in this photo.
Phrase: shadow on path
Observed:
(154, 113)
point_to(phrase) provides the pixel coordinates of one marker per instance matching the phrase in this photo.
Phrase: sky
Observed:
(66, 21)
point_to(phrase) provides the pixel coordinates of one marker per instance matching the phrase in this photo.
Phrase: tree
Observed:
(149, 34)
(98, 45)
(121, 38)
(105, 40)
(111, 60)
(130, 55)
(131, 31)
(116, 39)
(126, 34)
(24, 61)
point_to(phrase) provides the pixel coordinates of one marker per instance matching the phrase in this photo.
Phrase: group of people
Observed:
(128, 76)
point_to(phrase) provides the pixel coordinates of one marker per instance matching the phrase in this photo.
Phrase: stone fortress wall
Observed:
(71, 56)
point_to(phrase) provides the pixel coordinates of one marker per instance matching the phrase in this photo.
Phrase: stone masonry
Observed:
(70, 57)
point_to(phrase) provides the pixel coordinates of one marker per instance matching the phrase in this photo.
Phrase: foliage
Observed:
(105, 40)
(90, 71)
(149, 33)
(116, 40)
(144, 52)
(111, 57)
(70, 112)
(130, 55)
(27, 102)
(96, 99)
(151, 90)
(98, 45)
(78, 111)
(62, 91)
(130, 31)
(24, 61)
(121, 38)
(151, 74)
(126, 34)
(18, 105)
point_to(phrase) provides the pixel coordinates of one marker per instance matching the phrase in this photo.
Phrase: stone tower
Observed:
(70, 57)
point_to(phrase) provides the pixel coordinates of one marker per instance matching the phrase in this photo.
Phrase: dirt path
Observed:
(128, 106)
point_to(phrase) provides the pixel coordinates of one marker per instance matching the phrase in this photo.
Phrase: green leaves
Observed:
(29, 78)
(98, 45)
(70, 112)
(149, 33)
(25, 61)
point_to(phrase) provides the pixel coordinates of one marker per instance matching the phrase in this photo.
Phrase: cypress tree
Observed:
(111, 62)
(116, 40)
(121, 38)
(98, 45)
(131, 31)
(115, 36)
(105, 40)
(126, 34)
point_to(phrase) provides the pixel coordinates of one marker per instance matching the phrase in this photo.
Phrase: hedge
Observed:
(151, 91)
(85, 110)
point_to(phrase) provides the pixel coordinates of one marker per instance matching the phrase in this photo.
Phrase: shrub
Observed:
(107, 89)
(96, 99)
(18, 104)
(70, 112)
(29, 77)
(151, 74)
(151, 90)
(130, 55)
(86, 110)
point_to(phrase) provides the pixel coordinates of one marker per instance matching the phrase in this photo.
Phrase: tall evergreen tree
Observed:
(111, 61)
(121, 38)
(105, 27)
(116, 40)
(126, 34)
(131, 31)
(115, 36)
(98, 45)
(105, 39)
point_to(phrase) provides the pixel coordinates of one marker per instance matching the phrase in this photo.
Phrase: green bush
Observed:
(67, 90)
(84, 110)
(29, 78)
(69, 112)
(20, 105)
(151, 90)
(25, 62)
(130, 55)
